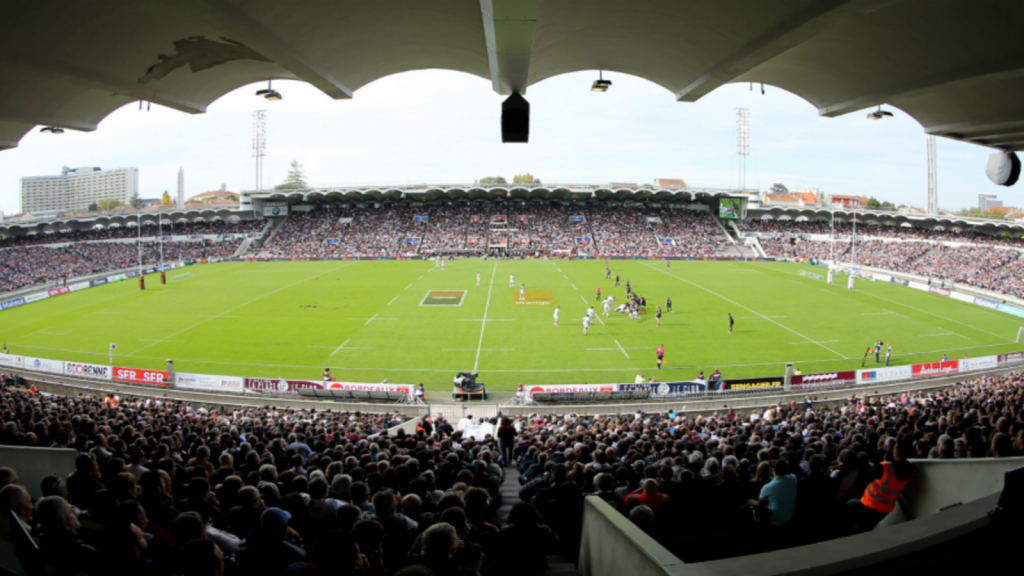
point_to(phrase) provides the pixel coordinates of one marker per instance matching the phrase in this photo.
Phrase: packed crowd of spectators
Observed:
(308, 234)
(26, 266)
(694, 234)
(161, 487)
(621, 231)
(445, 229)
(968, 265)
(799, 248)
(379, 232)
(875, 231)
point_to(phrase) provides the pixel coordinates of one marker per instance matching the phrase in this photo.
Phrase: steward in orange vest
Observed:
(887, 484)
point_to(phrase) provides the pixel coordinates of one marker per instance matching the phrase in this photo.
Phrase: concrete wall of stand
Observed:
(613, 546)
(942, 483)
(33, 464)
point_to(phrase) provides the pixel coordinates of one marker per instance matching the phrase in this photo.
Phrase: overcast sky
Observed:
(442, 127)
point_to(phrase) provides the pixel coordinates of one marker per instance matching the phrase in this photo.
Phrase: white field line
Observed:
(939, 316)
(155, 340)
(474, 349)
(489, 320)
(392, 300)
(818, 342)
(450, 370)
(211, 316)
(879, 314)
(574, 286)
(339, 347)
(240, 306)
(621, 348)
(596, 315)
(760, 317)
(483, 323)
(420, 278)
(409, 286)
(901, 315)
(913, 308)
(734, 303)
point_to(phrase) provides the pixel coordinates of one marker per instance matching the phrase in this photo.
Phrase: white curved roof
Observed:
(955, 66)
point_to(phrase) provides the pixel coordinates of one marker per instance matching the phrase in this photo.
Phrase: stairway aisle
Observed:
(557, 565)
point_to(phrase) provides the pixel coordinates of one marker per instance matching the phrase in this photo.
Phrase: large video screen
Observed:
(730, 208)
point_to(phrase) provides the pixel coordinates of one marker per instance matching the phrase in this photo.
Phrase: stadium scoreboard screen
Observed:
(731, 208)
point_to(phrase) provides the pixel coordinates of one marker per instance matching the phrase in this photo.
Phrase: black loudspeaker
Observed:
(515, 119)
(1003, 168)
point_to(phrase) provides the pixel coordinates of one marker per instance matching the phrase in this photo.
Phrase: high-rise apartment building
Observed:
(986, 201)
(75, 189)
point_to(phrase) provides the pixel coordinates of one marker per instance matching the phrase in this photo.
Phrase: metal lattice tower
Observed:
(742, 144)
(259, 143)
(933, 185)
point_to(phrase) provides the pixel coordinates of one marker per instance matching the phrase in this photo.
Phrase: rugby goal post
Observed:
(1019, 332)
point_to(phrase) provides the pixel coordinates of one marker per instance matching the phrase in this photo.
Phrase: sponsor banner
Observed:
(132, 274)
(664, 390)
(11, 361)
(885, 374)
(823, 380)
(349, 219)
(986, 303)
(962, 297)
(982, 363)
(666, 241)
(939, 291)
(58, 291)
(748, 383)
(577, 218)
(883, 277)
(1011, 358)
(142, 376)
(936, 369)
(1011, 310)
(407, 389)
(917, 285)
(12, 303)
(275, 208)
(420, 219)
(98, 282)
(82, 370)
(653, 220)
(280, 386)
(43, 365)
(36, 297)
(586, 241)
(116, 278)
(79, 286)
(572, 389)
(331, 241)
(208, 382)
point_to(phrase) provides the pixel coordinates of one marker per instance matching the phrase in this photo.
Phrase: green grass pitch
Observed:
(368, 321)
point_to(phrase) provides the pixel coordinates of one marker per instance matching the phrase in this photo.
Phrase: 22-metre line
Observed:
(483, 324)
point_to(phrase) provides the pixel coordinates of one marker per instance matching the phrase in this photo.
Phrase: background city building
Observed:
(76, 188)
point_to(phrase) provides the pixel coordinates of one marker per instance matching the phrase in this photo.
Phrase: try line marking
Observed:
(734, 303)
(392, 300)
(483, 322)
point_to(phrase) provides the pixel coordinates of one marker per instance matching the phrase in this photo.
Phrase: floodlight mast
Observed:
(259, 144)
(742, 144)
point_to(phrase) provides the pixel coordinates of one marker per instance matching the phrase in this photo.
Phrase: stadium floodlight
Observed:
(269, 93)
(600, 85)
(52, 129)
(879, 114)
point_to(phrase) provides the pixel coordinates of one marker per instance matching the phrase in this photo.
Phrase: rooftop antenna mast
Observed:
(259, 144)
(742, 144)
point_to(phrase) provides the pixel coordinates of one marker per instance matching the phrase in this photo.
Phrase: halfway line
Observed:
(483, 323)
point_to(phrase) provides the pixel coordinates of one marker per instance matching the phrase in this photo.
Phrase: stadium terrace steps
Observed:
(557, 565)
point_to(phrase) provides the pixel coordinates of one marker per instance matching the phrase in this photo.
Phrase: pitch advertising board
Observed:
(573, 388)
(11, 361)
(982, 363)
(12, 303)
(83, 370)
(823, 380)
(986, 303)
(358, 387)
(666, 390)
(78, 286)
(141, 376)
(1011, 358)
(58, 291)
(886, 374)
(43, 365)
(936, 369)
(36, 297)
(749, 383)
(209, 382)
(280, 386)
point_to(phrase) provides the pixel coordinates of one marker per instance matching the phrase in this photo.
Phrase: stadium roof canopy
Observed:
(957, 67)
